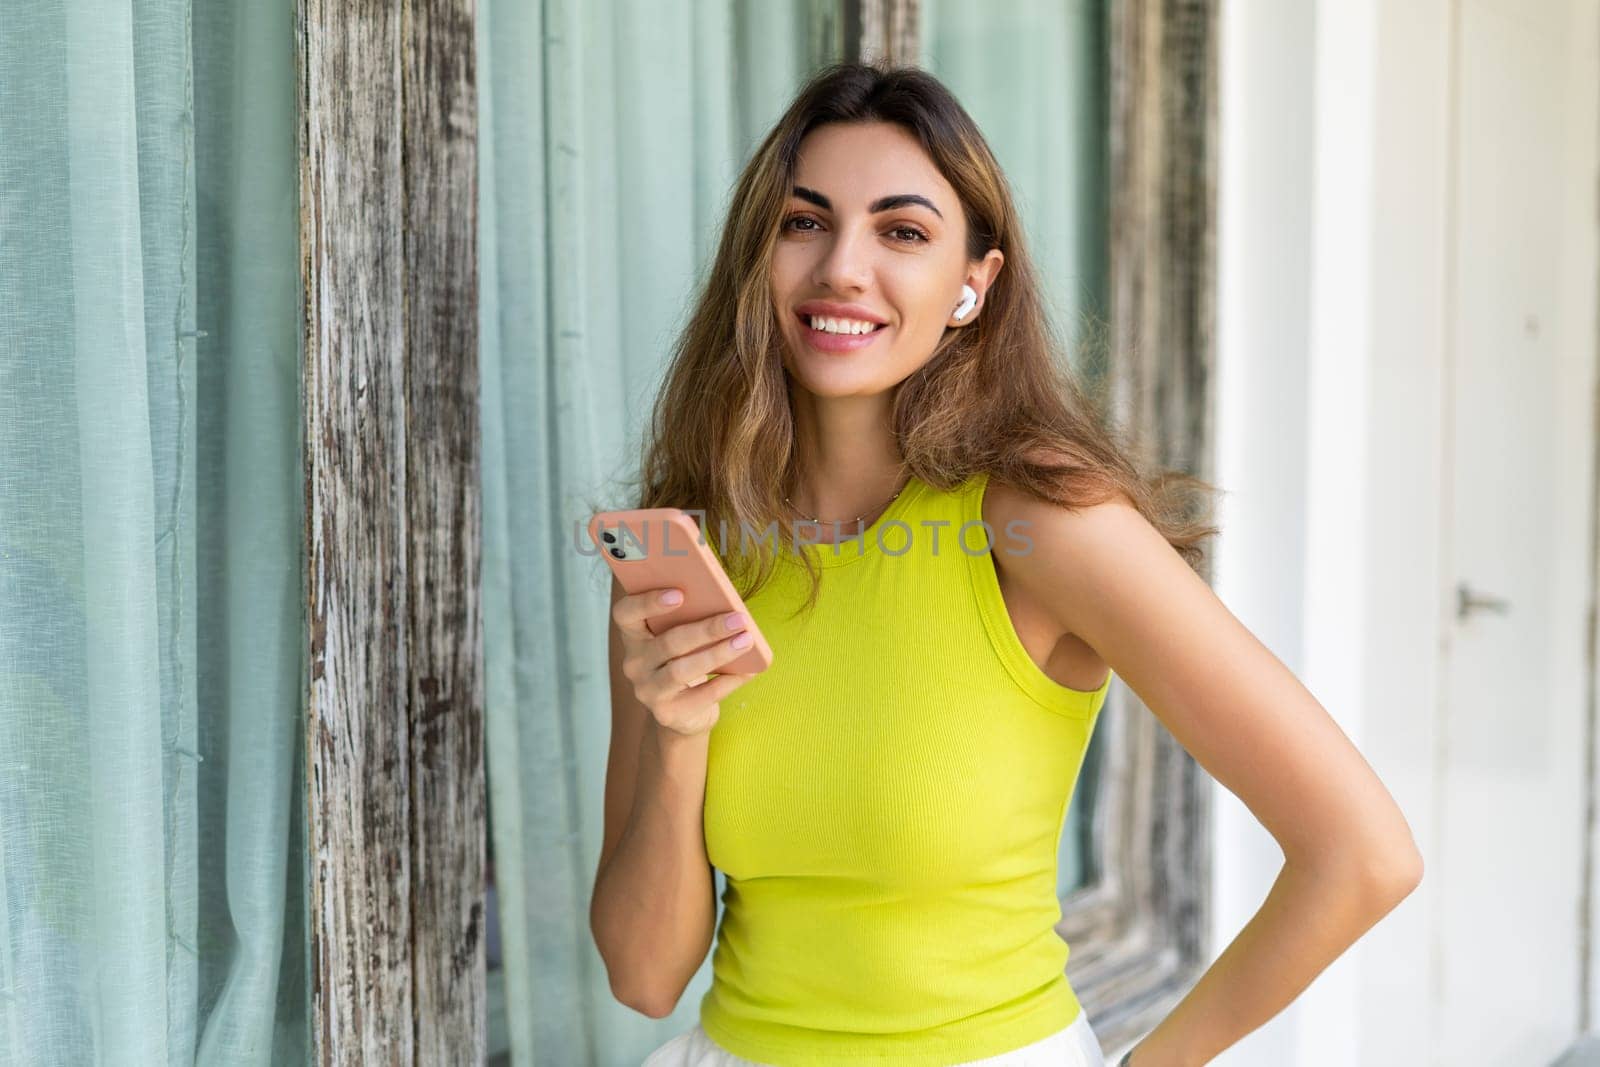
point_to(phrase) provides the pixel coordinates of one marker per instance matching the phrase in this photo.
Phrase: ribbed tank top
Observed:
(886, 804)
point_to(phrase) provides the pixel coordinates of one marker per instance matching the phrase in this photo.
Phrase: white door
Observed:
(1508, 858)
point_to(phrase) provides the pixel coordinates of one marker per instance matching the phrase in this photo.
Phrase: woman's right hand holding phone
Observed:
(668, 675)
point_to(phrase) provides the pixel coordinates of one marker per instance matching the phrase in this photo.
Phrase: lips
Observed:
(823, 341)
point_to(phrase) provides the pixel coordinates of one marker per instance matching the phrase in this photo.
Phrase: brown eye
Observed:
(788, 224)
(916, 234)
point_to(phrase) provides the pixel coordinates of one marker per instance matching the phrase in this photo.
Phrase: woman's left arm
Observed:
(1110, 578)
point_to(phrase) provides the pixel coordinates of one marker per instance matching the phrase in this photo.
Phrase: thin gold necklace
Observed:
(864, 514)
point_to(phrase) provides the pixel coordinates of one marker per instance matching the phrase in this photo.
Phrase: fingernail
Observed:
(735, 621)
(742, 641)
(672, 596)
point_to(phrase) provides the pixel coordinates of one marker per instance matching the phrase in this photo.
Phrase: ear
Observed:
(980, 275)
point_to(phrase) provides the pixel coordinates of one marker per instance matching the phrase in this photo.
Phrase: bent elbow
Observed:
(660, 1009)
(654, 1003)
(1398, 875)
(641, 994)
(631, 980)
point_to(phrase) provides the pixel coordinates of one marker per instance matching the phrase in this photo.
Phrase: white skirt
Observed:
(1073, 1046)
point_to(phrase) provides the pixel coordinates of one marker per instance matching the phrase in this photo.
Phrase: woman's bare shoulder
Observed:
(1045, 547)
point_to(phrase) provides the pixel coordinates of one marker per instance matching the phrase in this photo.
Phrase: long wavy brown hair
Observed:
(995, 396)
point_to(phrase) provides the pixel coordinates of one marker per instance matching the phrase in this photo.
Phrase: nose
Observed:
(845, 265)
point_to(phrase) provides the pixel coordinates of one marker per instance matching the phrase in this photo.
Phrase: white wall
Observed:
(1330, 245)
(1263, 308)
(1402, 482)
(1334, 314)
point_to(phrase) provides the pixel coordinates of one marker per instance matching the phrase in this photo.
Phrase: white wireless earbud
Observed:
(969, 300)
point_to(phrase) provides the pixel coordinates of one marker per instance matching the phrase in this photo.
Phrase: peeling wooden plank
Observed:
(358, 785)
(447, 842)
(394, 708)
(883, 32)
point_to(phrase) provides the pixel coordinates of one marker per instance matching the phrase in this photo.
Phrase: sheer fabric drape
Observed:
(150, 536)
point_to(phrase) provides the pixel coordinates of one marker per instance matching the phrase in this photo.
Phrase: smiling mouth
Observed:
(837, 344)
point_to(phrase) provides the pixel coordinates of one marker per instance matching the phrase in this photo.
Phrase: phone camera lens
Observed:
(608, 537)
(617, 552)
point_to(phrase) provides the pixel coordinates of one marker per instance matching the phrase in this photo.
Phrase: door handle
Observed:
(1467, 602)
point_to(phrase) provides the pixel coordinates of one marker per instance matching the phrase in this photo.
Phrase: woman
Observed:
(966, 557)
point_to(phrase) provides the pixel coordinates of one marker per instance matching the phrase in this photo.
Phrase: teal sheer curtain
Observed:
(609, 139)
(150, 536)
(1033, 75)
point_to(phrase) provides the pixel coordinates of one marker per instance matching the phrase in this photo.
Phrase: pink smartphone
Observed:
(656, 548)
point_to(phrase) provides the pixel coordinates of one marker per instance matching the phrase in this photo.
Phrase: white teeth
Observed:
(850, 326)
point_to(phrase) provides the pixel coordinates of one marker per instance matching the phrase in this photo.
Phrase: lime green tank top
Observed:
(886, 804)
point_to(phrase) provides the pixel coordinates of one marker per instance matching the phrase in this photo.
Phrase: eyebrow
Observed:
(883, 203)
